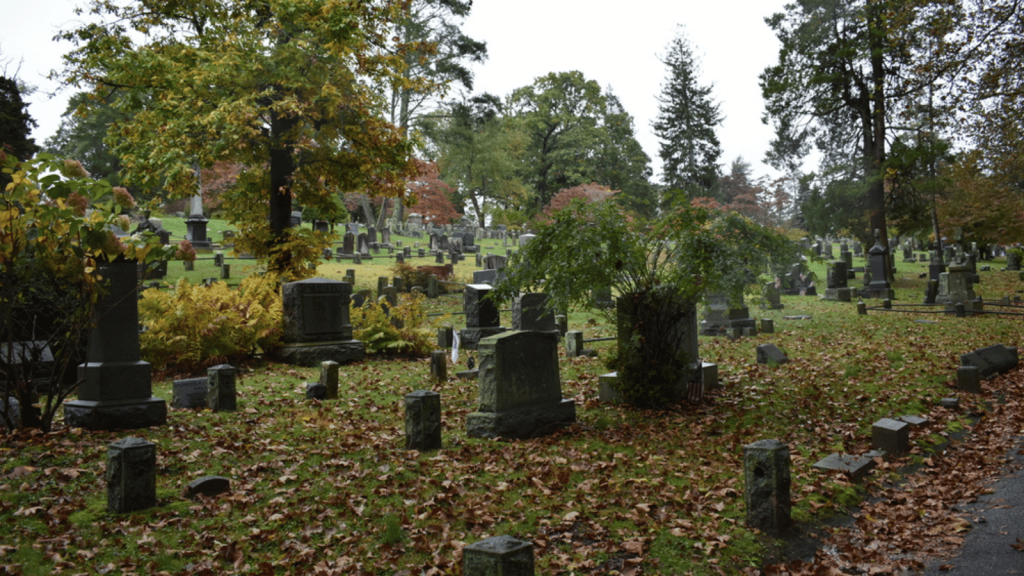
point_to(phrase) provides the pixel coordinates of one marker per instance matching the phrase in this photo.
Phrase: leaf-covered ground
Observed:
(327, 487)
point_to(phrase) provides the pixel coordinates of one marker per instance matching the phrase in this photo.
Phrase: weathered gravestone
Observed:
(116, 388)
(348, 244)
(530, 313)
(837, 289)
(131, 475)
(878, 266)
(221, 392)
(720, 316)
(485, 277)
(316, 324)
(208, 486)
(767, 493)
(634, 314)
(189, 393)
(520, 388)
(991, 360)
(770, 298)
(956, 285)
(968, 379)
(439, 364)
(770, 354)
(482, 317)
(498, 556)
(329, 378)
(423, 421)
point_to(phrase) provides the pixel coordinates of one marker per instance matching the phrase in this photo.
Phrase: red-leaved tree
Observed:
(590, 193)
(432, 196)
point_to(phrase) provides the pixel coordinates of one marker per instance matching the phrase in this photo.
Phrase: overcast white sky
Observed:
(617, 44)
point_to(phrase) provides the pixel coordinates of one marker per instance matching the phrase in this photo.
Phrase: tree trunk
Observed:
(282, 166)
(876, 193)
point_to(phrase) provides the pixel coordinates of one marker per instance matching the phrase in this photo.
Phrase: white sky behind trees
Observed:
(614, 43)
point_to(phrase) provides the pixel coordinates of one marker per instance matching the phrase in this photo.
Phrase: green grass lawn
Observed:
(328, 485)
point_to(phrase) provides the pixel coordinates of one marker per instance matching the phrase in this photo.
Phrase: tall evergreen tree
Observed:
(687, 117)
(15, 122)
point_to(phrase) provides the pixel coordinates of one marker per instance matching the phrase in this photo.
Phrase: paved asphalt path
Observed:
(998, 520)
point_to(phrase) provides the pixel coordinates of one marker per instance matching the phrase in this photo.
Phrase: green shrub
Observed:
(403, 332)
(196, 326)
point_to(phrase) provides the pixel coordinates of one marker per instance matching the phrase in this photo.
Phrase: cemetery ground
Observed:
(326, 487)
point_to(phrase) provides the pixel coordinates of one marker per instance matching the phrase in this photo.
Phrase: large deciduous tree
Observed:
(434, 50)
(577, 134)
(847, 71)
(685, 125)
(478, 151)
(283, 87)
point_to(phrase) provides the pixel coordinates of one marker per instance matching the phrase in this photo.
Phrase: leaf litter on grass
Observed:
(327, 487)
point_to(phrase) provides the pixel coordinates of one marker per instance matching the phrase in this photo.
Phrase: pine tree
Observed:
(15, 123)
(687, 117)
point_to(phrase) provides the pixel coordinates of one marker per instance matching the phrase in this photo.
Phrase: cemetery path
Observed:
(995, 544)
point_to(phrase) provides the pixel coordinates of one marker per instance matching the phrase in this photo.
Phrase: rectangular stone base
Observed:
(856, 466)
(883, 293)
(723, 327)
(837, 294)
(525, 422)
(469, 338)
(313, 353)
(116, 415)
(605, 387)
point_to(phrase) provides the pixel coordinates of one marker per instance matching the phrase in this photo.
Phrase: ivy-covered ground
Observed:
(327, 487)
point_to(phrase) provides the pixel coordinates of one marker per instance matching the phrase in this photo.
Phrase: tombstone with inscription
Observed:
(189, 393)
(482, 318)
(116, 389)
(530, 313)
(363, 248)
(770, 298)
(720, 317)
(520, 387)
(879, 267)
(837, 289)
(195, 225)
(494, 261)
(316, 324)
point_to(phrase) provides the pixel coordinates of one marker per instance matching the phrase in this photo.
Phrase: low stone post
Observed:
(573, 343)
(131, 475)
(498, 556)
(329, 378)
(862, 308)
(445, 336)
(189, 265)
(766, 468)
(432, 286)
(218, 259)
(892, 436)
(968, 379)
(423, 420)
(767, 326)
(439, 257)
(438, 366)
(220, 391)
(562, 323)
(225, 271)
